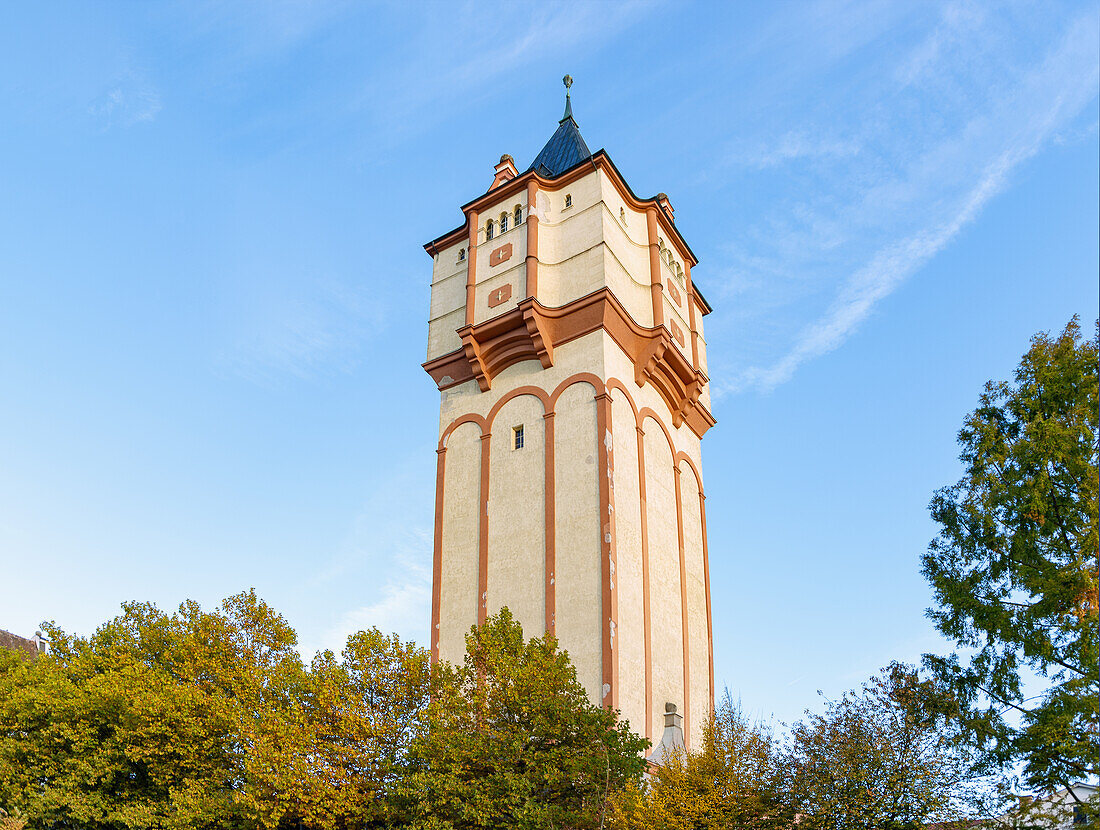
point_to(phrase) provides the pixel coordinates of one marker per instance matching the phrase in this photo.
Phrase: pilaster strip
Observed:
(644, 533)
(532, 261)
(691, 317)
(550, 520)
(683, 605)
(609, 596)
(437, 549)
(471, 266)
(483, 534)
(655, 287)
(706, 581)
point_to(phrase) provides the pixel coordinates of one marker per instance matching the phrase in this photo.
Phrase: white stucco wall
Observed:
(516, 515)
(461, 503)
(631, 628)
(577, 550)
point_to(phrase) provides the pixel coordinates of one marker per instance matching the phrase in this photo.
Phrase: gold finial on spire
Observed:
(568, 81)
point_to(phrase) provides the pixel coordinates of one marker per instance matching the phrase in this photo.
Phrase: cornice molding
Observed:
(531, 331)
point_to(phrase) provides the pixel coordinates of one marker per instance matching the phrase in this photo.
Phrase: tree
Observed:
(737, 779)
(513, 741)
(890, 756)
(1014, 566)
(366, 710)
(207, 719)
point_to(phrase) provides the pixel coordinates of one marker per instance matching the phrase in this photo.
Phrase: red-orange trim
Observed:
(691, 318)
(658, 301)
(550, 522)
(501, 254)
(685, 639)
(471, 265)
(674, 292)
(519, 392)
(643, 533)
(437, 549)
(483, 534)
(600, 160)
(505, 171)
(706, 581)
(609, 595)
(469, 418)
(532, 261)
(531, 331)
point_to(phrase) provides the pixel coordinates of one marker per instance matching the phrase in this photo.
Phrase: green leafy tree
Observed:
(366, 710)
(207, 719)
(1014, 567)
(513, 741)
(736, 780)
(889, 756)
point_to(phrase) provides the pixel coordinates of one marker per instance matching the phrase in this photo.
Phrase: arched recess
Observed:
(577, 572)
(663, 540)
(581, 377)
(518, 392)
(516, 509)
(482, 425)
(459, 538)
(646, 414)
(697, 649)
(632, 562)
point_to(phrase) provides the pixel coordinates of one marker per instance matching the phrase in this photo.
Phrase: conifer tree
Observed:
(1014, 567)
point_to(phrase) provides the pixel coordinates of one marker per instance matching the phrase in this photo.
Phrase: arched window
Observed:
(489, 229)
(503, 222)
(519, 215)
(568, 200)
(461, 254)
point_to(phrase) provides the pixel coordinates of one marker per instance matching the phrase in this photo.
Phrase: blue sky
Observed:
(212, 283)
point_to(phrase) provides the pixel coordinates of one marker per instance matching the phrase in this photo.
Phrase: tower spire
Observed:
(568, 81)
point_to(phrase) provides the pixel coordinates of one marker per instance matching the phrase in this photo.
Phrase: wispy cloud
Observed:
(317, 327)
(403, 607)
(458, 61)
(131, 100)
(792, 147)
(874, 222)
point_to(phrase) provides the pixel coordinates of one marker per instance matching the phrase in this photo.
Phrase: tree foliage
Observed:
(1014, 567)
(890, 755)
(205, 719)
(736, 780)
(513, 741)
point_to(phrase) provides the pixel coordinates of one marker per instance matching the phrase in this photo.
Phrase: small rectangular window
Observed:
(568, 200)
(517, 438)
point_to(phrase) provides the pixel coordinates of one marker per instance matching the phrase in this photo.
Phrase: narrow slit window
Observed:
(489, 230)
(519, 216)
(517, 437)
(568, 200)
(461, 254)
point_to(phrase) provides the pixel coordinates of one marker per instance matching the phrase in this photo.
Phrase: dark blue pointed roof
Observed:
(565, 148)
